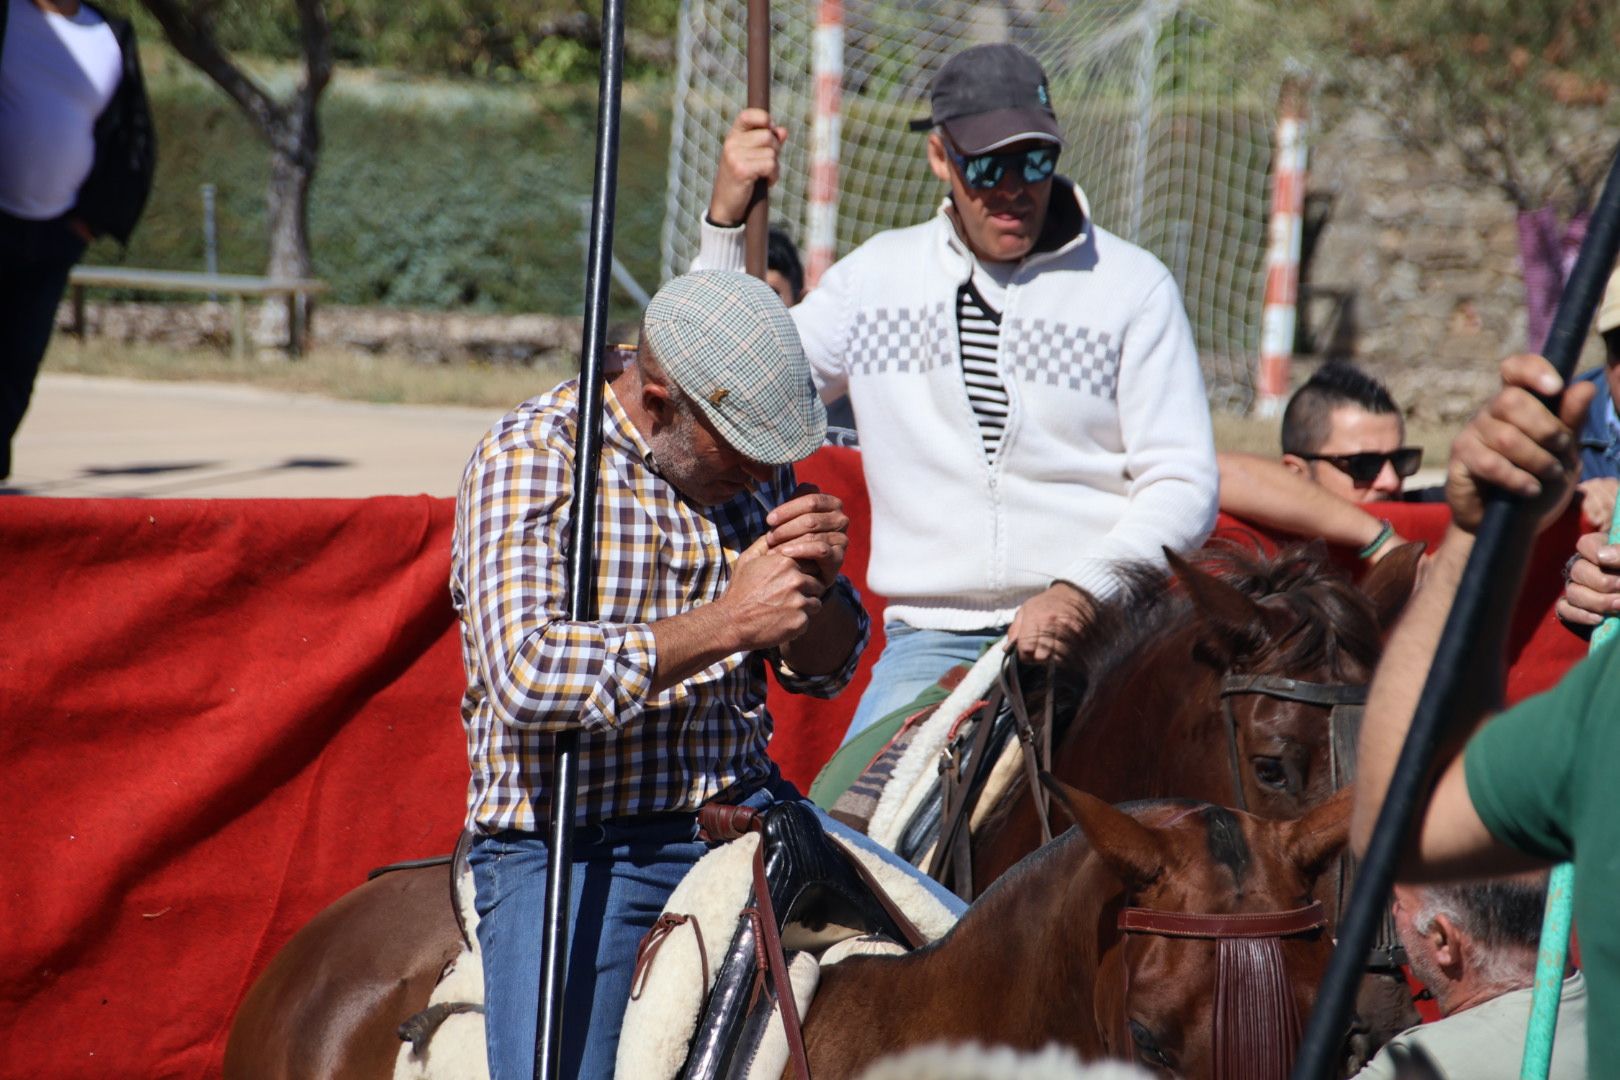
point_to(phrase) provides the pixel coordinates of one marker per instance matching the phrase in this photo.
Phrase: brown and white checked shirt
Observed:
(532, 673)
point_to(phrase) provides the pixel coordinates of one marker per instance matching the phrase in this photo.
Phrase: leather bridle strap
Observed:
(1325, 695)
(1239, 924)
(1256, 1022)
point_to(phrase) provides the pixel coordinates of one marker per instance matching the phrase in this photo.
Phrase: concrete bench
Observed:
(239, 287)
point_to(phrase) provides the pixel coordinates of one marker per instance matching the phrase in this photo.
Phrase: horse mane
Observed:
(1317, 618)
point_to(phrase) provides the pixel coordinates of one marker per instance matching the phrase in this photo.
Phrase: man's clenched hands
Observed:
(1517, 445)
(749, 154)
(812, 529)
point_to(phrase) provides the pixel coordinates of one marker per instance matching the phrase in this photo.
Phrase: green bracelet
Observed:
(1378, 541)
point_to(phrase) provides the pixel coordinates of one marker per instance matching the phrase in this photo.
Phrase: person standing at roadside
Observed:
(76, 158)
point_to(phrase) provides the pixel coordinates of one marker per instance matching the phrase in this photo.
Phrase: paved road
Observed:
(101, 437)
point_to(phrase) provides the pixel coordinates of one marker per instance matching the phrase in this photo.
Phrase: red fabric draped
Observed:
(216, 715)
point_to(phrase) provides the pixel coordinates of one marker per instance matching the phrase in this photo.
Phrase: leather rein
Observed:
(1257, 1024)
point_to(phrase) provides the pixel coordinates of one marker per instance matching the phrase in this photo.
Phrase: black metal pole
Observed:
(582, 555)
(1502, 541)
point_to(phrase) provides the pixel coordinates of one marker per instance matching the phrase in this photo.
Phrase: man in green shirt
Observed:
(1525, 788)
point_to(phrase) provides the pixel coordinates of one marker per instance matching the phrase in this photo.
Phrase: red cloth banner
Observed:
(217, 715)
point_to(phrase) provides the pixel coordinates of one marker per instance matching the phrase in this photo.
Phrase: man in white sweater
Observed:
(1026, 384)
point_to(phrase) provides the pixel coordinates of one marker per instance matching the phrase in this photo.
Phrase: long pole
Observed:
(756, 238)
(827, 64)
(582, 552)
(1501, 543)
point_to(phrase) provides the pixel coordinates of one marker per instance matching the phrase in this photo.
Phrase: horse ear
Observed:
(1321, 834)
(1132, 850)
(1389, 583)
(1225, 609)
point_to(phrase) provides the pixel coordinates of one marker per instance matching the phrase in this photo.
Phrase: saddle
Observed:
(802, 893)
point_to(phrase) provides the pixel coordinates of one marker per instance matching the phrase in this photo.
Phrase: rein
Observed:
(1257, 1024)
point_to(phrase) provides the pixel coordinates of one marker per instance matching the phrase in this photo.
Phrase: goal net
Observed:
(1171, 144)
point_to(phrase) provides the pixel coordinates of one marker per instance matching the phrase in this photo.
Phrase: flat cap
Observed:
(726, 340)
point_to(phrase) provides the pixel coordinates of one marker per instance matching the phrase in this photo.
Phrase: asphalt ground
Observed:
(95, 437)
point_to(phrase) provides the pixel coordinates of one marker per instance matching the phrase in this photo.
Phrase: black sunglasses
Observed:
(984, 171)
(1364, 468)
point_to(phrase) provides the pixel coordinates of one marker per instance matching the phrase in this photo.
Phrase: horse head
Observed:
(1289, 645)
(1211, 948)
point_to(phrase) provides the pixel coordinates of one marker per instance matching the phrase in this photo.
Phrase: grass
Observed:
(331, 372)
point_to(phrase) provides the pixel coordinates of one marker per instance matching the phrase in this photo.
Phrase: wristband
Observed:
(1377, 542)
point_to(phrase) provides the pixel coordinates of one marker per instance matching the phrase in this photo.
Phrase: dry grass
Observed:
(1262, 437)
(333, 372)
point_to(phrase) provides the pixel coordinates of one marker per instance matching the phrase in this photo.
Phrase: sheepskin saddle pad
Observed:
(681, 960)
(696, 1008)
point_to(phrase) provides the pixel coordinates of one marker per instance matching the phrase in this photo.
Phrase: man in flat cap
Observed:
(1025, 384)
(699, 588)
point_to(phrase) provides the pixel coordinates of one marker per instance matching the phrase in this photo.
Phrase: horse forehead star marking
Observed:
(1226, 843)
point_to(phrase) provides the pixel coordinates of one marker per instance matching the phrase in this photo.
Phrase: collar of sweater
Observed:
(1067, 226)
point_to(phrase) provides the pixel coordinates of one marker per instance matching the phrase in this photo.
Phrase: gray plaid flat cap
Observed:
(727, 341)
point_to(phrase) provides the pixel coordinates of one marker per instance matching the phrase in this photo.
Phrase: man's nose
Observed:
(759, 474)
(1387, 482)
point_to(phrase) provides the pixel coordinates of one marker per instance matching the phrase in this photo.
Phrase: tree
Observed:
(1518, 91)
(291, 128)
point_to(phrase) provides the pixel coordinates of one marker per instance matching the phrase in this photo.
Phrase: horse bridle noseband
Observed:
(1257, 1025)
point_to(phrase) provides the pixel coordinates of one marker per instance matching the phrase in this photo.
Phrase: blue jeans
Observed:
(912, 661)
(622, 878)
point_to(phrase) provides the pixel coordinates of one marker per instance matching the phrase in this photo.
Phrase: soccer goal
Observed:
(1170, 141)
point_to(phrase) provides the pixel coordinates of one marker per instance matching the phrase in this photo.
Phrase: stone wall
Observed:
(1428, 268)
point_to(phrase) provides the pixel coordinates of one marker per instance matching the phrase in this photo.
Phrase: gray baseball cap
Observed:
(991, 96)
(726, 340)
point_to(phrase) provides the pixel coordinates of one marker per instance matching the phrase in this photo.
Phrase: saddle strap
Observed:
(1037, 758)
(953, 851)
(666, 925)
(769, 936)
(719, 823)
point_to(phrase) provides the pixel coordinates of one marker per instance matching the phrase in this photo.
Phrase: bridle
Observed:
(1345, 703)
(1257, 1024)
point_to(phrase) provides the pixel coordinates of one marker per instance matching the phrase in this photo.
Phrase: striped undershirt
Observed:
(978, 329)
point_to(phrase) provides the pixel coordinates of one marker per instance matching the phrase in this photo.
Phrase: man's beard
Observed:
(673, 457)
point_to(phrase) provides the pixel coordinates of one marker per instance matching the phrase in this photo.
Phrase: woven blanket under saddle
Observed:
(955, 767)
(754, 917)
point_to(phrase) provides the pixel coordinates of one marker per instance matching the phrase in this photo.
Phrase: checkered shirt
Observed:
(531, 673)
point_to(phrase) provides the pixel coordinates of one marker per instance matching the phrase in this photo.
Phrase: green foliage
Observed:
(499, 39)
(436, 197)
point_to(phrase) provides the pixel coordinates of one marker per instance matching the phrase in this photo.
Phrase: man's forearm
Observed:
(824, 646)
(1269, 494)
(691, 641)
(1404, 669)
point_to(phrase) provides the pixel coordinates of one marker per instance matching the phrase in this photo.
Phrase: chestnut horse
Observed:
(1177, 934)
(1153, 720)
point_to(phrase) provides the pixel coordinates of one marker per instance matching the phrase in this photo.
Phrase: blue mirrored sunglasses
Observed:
(984, 171)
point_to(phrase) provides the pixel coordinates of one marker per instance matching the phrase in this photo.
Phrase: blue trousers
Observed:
(623, 874)
(912, 661)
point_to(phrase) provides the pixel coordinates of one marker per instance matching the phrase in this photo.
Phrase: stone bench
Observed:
(239, 287)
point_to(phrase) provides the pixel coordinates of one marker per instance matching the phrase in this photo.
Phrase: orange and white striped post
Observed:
(1282, 255)
(827, 69)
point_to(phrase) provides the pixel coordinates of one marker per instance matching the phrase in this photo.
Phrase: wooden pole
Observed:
(1501, 543)
(756, 233)
(582, 552)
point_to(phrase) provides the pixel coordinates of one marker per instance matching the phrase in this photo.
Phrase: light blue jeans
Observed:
(621, 880)
(912, 661)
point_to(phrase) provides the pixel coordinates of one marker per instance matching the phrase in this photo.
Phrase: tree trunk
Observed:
(294, 151)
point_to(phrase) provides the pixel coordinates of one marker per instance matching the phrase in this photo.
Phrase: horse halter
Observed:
(1342, 700)
(1257, 1025)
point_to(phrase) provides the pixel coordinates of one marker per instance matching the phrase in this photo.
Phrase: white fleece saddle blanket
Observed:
(917, 770)
(668, 997)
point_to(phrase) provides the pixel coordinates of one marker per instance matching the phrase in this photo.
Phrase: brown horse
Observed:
(1177, 934)
(1153, 721)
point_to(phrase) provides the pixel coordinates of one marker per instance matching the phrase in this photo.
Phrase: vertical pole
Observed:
(1501, 545)
(1282, 255)
(582, 547)
(756, 233)
(827, 70)
(210, 232)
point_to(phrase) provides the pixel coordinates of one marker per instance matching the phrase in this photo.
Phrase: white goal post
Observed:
(1170, 140)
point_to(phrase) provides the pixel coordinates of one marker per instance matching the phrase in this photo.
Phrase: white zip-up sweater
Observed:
(1108, 453)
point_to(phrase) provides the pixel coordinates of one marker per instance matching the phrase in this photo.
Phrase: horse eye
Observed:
(1270, 772)
(1148, 1046)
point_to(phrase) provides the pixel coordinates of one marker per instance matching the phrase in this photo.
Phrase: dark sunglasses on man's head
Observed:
(984, 171)
(1364, 468)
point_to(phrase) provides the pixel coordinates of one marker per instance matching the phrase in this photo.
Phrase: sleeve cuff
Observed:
(720, 248)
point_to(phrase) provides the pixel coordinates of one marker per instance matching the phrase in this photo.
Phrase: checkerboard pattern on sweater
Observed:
(1060, 355)
(902, 340)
